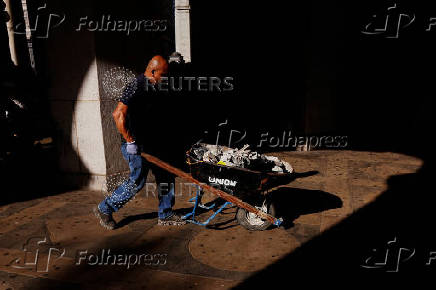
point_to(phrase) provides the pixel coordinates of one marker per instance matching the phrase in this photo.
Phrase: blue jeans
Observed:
(139, 168)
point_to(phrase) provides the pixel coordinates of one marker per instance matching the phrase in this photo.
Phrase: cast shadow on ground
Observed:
(143, 216)
(290, 203)
(279, 180)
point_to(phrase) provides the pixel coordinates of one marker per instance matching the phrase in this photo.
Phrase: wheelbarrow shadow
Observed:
(279, 180)
(290, 203)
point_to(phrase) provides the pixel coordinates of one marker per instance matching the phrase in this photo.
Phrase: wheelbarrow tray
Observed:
(240, 182)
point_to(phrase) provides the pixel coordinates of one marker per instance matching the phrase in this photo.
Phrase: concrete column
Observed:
(183, 28)
(71, 63)
(11, 34)
(80, 65)
(76, 109)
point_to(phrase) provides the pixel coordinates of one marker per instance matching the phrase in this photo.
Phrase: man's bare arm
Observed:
(119, 116)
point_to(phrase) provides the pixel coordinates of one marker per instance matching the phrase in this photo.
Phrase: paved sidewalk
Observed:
(66, 248)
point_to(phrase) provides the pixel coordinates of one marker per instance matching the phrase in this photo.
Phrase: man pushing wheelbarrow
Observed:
(240, 177)
(132, 123)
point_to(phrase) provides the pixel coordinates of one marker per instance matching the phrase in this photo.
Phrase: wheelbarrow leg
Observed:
(197, 202)
(197, 198)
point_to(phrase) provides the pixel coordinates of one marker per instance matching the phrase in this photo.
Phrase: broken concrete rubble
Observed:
(241, 158)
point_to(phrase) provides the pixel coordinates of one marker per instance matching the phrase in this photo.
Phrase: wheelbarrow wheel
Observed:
(252, 222)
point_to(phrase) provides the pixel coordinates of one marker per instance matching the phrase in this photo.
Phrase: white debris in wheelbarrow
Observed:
(279, 164)
(242, 158)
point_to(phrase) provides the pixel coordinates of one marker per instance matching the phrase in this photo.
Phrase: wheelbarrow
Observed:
(244, 188)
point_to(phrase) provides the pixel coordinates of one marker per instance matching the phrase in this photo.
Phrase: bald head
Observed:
(157, 67)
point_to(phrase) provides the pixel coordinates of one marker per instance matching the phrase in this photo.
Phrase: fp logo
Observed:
(32, 260)
(389, 24)
(225, 135)
(390, 259)
(43, 24)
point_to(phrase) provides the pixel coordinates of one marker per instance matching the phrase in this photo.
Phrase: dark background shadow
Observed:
(382, 103)
(309, 69)
(62, 63)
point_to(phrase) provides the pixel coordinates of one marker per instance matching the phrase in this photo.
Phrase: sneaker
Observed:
(106, 220)
(173, 220)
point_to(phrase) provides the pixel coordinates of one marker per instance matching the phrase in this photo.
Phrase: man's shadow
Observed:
(130, 219)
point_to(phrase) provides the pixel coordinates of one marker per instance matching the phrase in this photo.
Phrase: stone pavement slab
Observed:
(237, 249)
(60, 275)
(219, 256)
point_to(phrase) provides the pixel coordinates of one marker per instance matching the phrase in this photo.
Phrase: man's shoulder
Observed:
(132, 89)
(140, 77)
